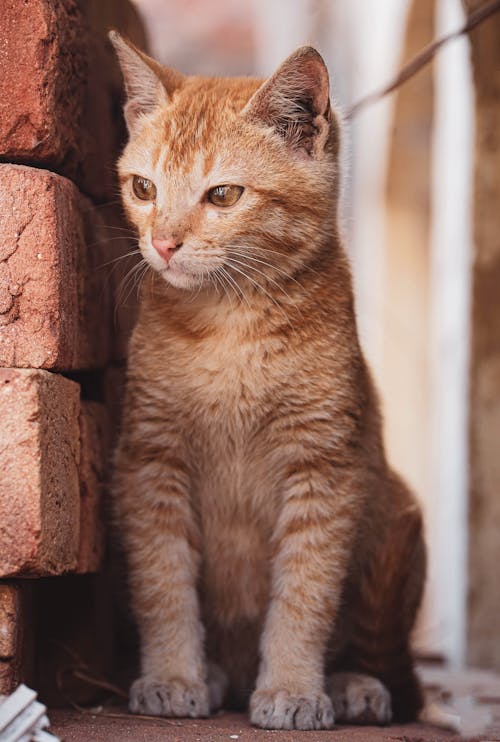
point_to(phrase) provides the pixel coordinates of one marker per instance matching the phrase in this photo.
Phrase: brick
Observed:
(94, 455)
(60, 89)
(54, 453)
(16, 635)
(43, 80)
(39, 486)
(55, 306)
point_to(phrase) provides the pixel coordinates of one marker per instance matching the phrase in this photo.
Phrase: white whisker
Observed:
(121, 257)
(219, 281)
(260, 288)
(236, 288)
(129, 231)
(297, 263)
(129, 277)
(246, 256)
(268, 278)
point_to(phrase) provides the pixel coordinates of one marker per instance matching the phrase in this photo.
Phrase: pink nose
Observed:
(166, 248)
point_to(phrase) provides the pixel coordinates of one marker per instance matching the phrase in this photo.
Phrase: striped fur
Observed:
(268, 542)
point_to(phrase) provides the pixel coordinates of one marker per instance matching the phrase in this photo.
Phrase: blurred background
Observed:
(407, 215)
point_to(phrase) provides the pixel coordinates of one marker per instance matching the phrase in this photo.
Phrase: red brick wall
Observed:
(60, 133)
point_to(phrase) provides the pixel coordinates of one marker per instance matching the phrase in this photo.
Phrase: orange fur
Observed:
(252, 492)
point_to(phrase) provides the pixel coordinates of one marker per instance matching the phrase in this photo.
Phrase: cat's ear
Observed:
(295, 101)
(147, 83)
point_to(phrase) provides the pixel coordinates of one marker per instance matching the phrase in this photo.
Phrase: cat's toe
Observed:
(148, 696)
(360, 699)
(174, 697)
(281, 710)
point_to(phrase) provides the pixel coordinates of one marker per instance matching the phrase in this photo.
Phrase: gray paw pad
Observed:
(280, 710)
(172, 698)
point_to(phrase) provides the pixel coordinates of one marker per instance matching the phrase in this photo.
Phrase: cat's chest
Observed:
(224, 373)
(222, 384)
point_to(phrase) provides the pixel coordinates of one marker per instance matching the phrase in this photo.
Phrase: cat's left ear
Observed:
(147, 83)
(295, 101)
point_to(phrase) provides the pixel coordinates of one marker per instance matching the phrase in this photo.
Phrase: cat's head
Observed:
(228, 180)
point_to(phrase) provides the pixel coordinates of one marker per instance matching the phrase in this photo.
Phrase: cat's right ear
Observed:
(147, 83)
(295, 102)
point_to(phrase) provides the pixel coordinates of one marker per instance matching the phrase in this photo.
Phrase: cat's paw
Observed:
(359, 699)
(174, 697)
(280, 710)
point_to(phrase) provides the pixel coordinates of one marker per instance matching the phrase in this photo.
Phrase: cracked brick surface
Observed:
(55, 306)
(42, 57)
(60, 87)
(53, 459)
(39, 486)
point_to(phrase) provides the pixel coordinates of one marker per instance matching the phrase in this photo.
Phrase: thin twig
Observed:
(98, 682)
(130, 715)
(424, 57)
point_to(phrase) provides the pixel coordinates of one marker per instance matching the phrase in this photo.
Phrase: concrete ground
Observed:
(74, 726)
(469, 699)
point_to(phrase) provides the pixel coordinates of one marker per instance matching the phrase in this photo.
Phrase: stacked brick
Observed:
(60, 133)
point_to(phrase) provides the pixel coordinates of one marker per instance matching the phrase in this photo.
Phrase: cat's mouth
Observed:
(178, 276)
(182, 270)
(175, 271)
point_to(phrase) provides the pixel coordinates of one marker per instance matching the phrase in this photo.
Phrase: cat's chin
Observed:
(180, 279)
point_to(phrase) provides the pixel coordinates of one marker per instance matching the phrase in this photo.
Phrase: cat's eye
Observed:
(225, 195)
(144, 188)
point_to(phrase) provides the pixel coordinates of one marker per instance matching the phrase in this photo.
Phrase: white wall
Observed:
(450, 277)
(377, 51)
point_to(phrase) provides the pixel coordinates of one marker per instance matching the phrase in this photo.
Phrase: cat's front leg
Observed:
(162, 549)
(311, 546)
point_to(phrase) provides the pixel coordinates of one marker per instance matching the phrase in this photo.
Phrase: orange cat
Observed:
(273, 556)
